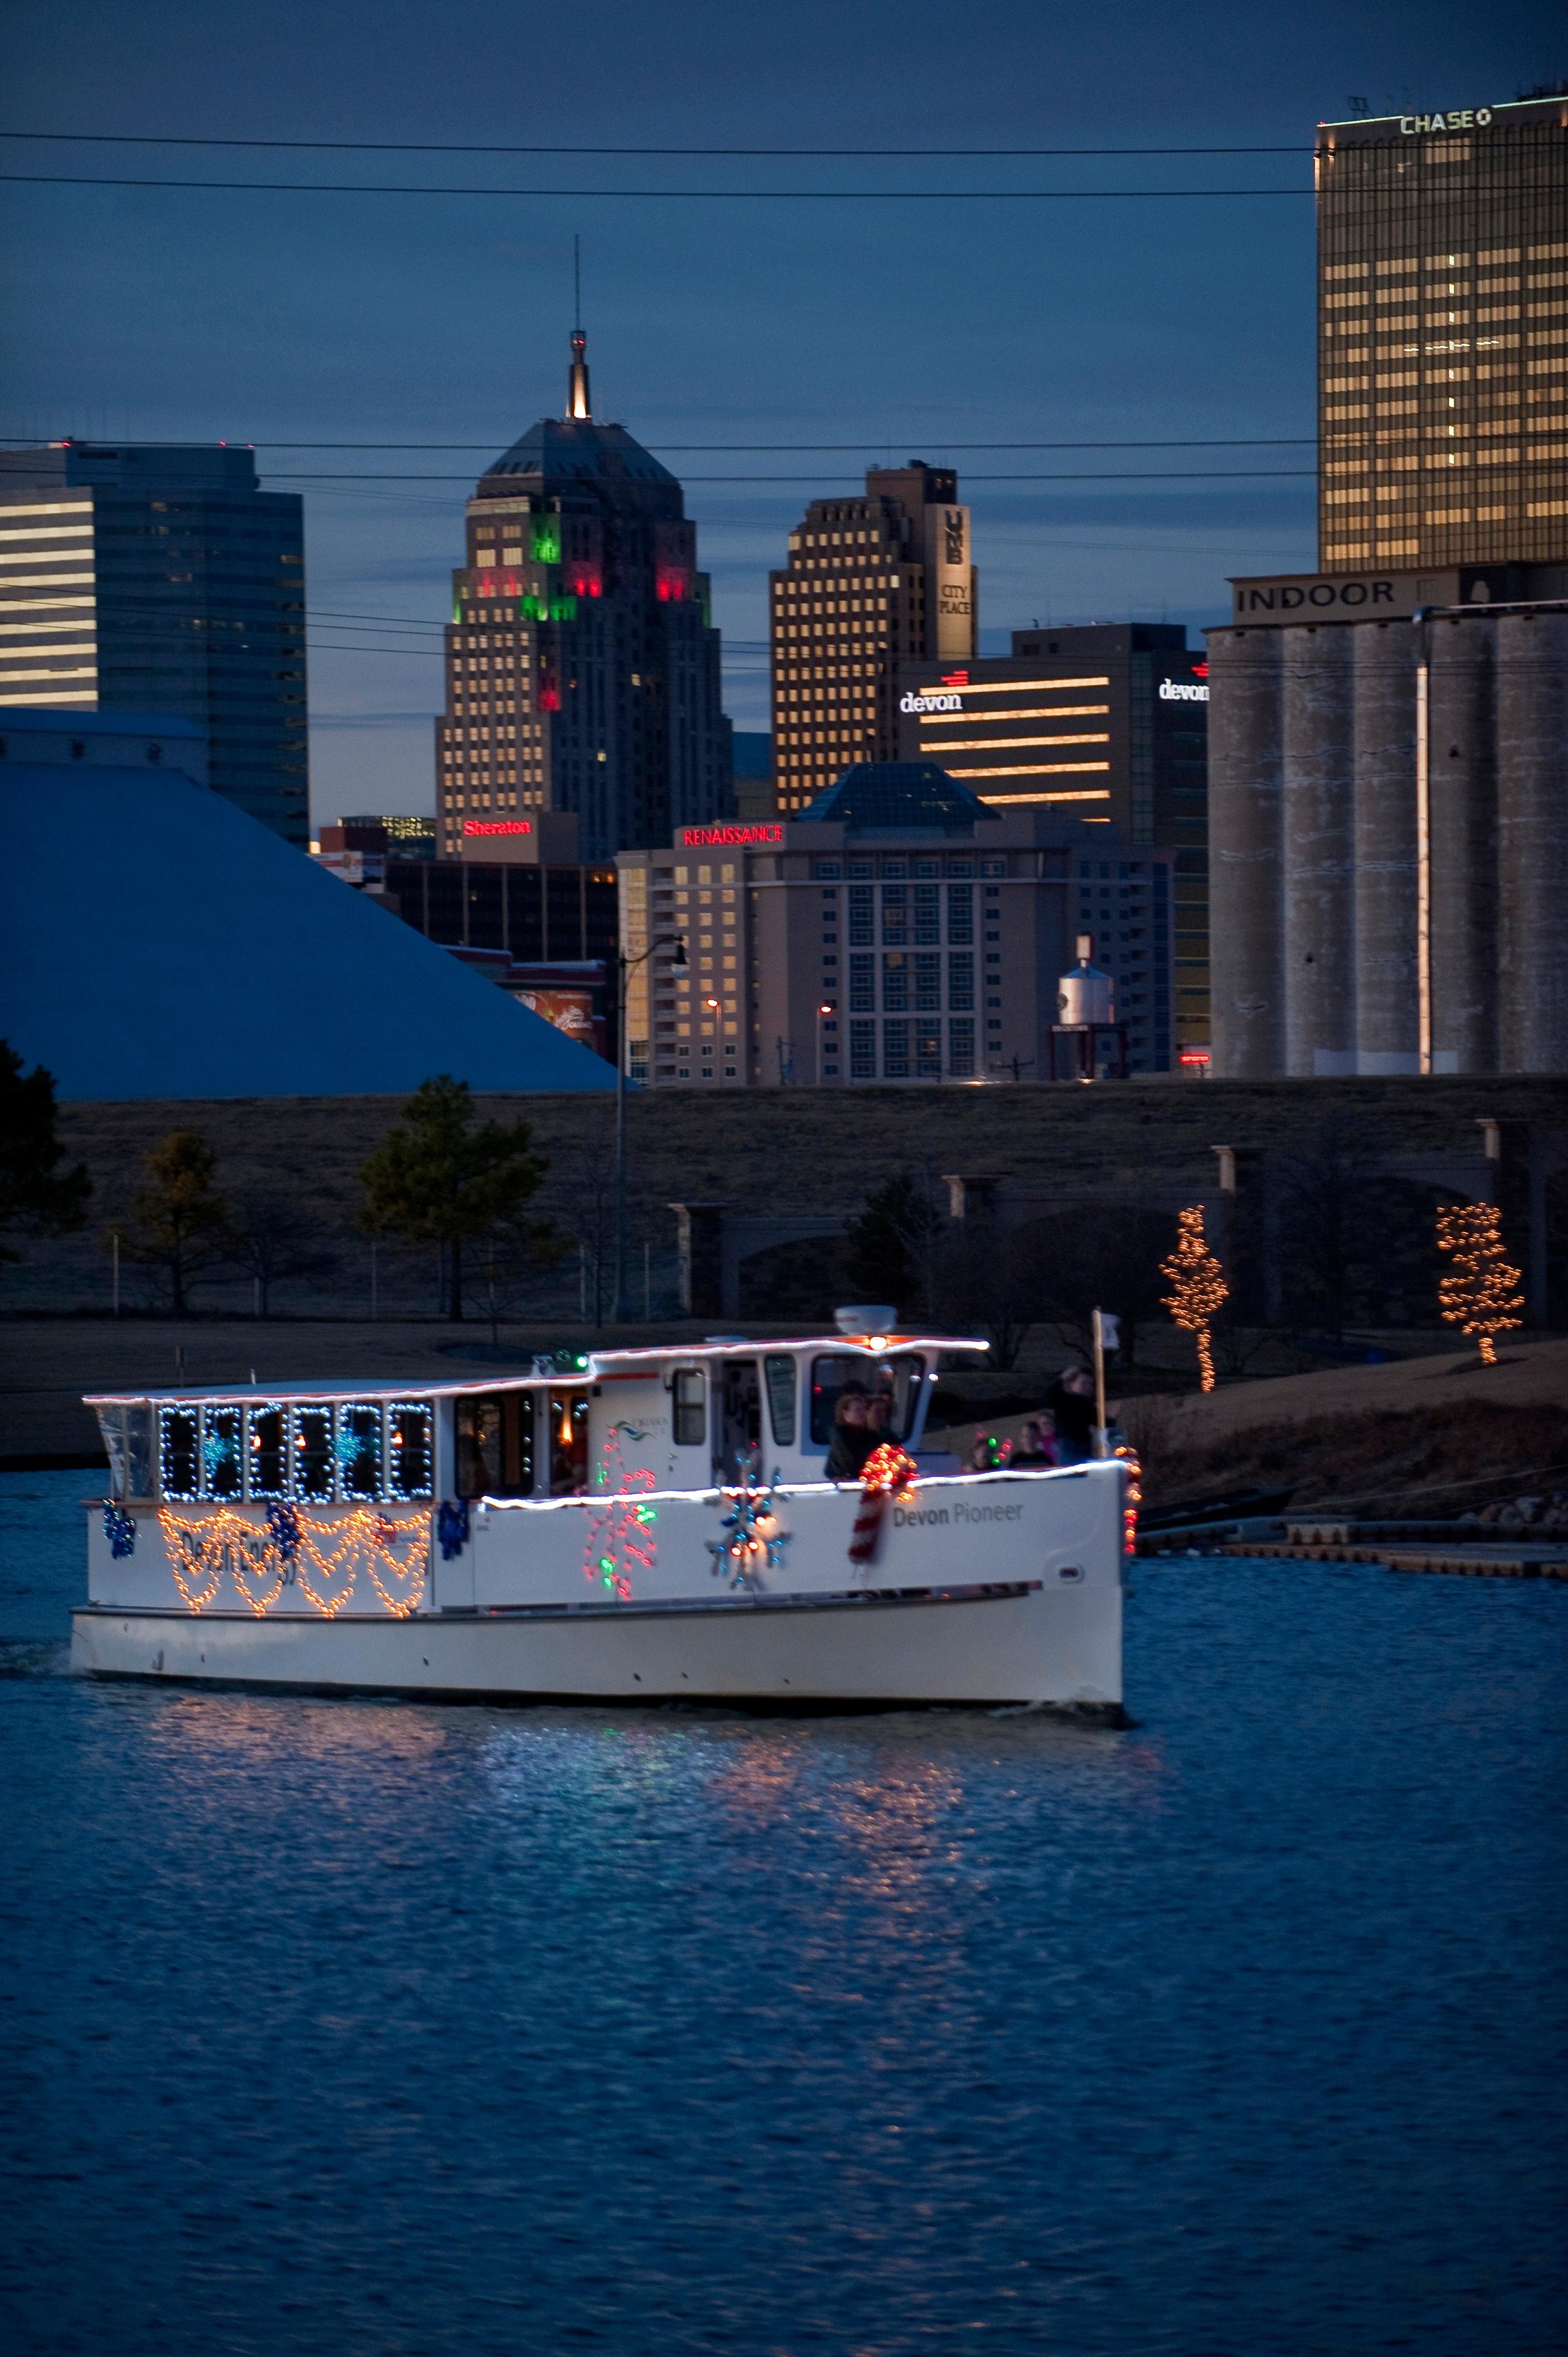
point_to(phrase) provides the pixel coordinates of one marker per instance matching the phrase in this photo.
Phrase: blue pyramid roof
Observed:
(563, 450)
(156, 941)
(899, 798)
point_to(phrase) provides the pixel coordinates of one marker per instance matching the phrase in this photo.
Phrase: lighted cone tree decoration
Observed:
(1480, 1292)
(1197, 1288)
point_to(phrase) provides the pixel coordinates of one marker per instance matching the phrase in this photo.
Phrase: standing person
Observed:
(851, 1442)
(1071, 1403)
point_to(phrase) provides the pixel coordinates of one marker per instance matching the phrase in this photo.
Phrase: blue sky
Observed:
(902, 330)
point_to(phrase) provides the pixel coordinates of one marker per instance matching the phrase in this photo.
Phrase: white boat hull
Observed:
(983, 1591)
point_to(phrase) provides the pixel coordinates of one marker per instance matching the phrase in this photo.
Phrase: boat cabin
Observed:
(682, 1418)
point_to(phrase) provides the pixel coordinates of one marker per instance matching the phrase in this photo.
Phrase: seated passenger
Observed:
(1036, 1444)
(1071, 1401)
(987, 1454)
(879, 1417)
(852, 1441)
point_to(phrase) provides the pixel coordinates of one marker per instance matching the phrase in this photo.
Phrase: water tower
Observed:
(1087, 1041)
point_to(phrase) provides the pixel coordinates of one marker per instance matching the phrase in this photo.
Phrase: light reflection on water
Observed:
(370, 2026)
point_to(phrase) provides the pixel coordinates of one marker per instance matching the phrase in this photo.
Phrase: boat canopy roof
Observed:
(610, 1363)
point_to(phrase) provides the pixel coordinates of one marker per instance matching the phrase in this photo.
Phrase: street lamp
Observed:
(624, 965)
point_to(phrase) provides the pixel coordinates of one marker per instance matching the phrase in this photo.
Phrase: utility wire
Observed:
(1150, 475)
(439, 148)
(711, 196)
(748, 449)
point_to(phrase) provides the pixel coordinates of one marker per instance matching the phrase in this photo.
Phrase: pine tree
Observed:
(1481, 1293)
(35, 1195)
(437, 1178)
(179, 1222)
(1197, 1288)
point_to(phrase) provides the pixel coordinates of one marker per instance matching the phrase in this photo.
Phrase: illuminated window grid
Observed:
(1448, 215)
(1077, 794)
(1014, 686)
(1008, 743)
(1027, 769)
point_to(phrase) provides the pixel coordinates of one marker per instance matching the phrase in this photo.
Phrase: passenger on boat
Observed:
(1037, 1444)
(852, 1441)
(1072, 1404)
(987, 1454)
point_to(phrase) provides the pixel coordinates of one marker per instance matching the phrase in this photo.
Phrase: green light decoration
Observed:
(546, 540)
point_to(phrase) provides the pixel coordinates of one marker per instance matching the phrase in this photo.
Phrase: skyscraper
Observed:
(581, 666)
(872, 582)
(149, 577)
(1443, 351)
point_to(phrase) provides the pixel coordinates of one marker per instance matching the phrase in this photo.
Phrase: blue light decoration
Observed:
(120, 1529)
(283, 1522)
(411, 1468)
(180, 1454)
(221, 1461)
(452, 1527)
(751, 1542)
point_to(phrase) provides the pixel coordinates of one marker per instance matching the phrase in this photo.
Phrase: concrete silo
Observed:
(1317, 890)
(1244, 840)
(1463, 800)
(1384, 790)
(1532, 842)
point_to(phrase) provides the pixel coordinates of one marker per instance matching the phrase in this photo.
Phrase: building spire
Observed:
(577, 402)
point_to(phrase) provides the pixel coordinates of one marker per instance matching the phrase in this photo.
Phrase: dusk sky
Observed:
(894, 328)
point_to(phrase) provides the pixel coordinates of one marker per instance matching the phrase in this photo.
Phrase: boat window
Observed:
(313, 1465)
(179, 1453)
(127, 1444)
(738, 1434)
(138, 1452)
(568, 1444)
(896, 1379)
(111, 1426)
(222, 1459)
(411, 1455)
(779, 1368)
(360, 1447)
(689, 1400)
(269, 1451)
(496, 1445)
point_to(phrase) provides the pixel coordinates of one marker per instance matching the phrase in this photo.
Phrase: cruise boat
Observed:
(650, 1525)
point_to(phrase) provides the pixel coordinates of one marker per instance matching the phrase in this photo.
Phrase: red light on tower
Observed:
(1200, 670)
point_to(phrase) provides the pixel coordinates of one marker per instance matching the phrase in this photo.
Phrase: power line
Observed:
(449, 147)
(709, 196)
(1150, 475)
(737, 449)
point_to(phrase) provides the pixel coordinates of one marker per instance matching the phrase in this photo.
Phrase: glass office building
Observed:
(146, 577)
(1443, 344)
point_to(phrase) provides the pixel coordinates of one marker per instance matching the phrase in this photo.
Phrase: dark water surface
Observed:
(374, 2028)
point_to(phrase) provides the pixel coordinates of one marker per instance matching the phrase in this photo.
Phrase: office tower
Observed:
(157, 578)
(582, 667)
(872, 582)
(1108, 722)
(1442, 353)
(898, 931)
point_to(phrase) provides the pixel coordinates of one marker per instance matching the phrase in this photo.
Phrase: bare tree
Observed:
(1326, 1191)
(1099, 1255)
(270, 1238)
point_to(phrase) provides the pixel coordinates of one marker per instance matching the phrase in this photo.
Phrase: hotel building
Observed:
(158, 578)
(582, 667)
(872, 582)
(899, 931)
(1107, 724)
(1442, 342)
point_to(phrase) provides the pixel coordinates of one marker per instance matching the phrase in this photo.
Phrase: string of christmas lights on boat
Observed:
(324, 1558)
